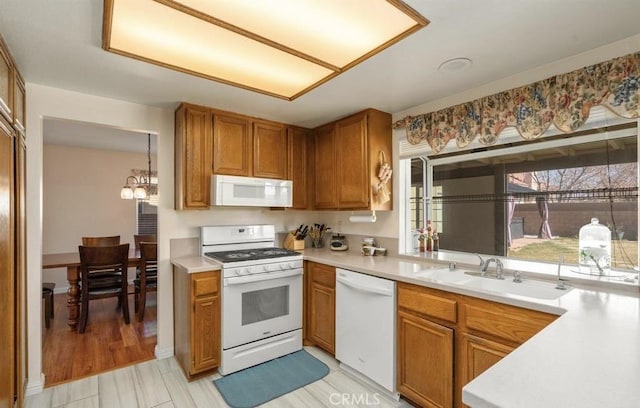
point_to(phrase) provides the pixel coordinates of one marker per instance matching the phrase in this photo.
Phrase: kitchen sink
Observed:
(444, 275)
(528, 288)
(473, 280)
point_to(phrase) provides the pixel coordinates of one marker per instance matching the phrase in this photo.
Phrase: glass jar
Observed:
(594, 248)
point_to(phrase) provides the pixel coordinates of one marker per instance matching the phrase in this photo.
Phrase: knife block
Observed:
(293, 244)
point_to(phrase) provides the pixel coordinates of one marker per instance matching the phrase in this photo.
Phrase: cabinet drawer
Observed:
(206, 284)
(503, 321)
(427, 302)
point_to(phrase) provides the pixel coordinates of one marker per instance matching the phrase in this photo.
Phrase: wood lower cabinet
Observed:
(320, 300)
(193, 132)
(478, 355)
(197, 321)
(232, 145)
(425, 361)
(445, 340)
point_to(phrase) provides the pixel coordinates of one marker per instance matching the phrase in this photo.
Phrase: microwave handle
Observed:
(238, 280)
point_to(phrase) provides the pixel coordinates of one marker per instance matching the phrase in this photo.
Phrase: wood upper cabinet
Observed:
(197, 321)
(349, 154)
(269, 150)
(193, 134)
(321, 305)
(300, 168)
(325, 168)
(232, 144)
(352, 166)
(19, 103)
(6, 83)
(425, 361)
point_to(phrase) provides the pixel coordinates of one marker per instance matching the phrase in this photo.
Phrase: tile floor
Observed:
(161, 384)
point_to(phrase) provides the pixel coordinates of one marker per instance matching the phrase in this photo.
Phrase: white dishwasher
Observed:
(366, 326)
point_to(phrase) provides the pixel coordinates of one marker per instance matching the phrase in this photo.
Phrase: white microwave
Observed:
(250, 191)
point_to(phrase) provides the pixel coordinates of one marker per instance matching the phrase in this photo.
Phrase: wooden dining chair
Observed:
(96, 284)
(101, 241)
(147, 280)
(138, 238)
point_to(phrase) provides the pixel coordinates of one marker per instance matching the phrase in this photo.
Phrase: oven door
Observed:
(260, 306)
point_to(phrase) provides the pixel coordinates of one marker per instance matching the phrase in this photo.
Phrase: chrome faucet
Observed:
(561, 281)
(499, 267)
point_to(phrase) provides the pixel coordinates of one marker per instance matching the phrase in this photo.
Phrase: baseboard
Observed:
(59, 290)
(35, 387)
(164, 352)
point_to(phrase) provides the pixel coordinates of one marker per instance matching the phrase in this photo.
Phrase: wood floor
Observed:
(108, 343)
(161, 383)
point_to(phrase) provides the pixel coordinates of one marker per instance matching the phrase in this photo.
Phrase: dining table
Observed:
(71, 261)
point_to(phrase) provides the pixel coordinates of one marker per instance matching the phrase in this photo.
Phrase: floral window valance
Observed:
(563, 100)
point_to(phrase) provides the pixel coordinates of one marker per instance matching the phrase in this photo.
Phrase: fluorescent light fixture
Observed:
(282, 48)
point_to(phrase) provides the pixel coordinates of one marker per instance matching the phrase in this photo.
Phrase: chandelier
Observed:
(139, 187)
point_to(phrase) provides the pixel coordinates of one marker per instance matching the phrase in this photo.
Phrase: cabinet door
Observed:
(205, 333)
(6, 83)
(19, 103)
(352, 164)
(320, 300)
(298, 167)
(193, 157)
(477, 355)
(322, 318)
(325, 168)
(269, 150)
(7, 267)
(425, 361)
(232, 145)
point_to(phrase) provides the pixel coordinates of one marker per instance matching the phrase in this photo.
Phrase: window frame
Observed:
(405, 244)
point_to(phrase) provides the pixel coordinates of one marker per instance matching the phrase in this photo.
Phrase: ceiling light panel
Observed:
(337, 32)
(283, 48)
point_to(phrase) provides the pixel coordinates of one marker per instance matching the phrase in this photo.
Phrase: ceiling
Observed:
(58, 43)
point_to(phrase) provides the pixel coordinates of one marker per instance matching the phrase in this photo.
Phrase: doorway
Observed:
(85, 167)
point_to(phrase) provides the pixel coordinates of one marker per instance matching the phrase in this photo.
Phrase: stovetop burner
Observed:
(250, 254)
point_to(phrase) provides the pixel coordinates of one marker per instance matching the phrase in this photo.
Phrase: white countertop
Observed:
(588, 357)
(194, 264)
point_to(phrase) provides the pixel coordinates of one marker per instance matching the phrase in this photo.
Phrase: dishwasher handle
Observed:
(364, 288)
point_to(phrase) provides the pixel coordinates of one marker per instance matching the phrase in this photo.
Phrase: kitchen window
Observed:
(528, 200)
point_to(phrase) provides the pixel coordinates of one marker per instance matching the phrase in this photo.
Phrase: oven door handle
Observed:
(239, 280)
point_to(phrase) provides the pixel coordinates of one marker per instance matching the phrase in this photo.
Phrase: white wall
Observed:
(81, 197)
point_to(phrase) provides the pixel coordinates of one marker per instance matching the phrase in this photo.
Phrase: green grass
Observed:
(624, 253)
